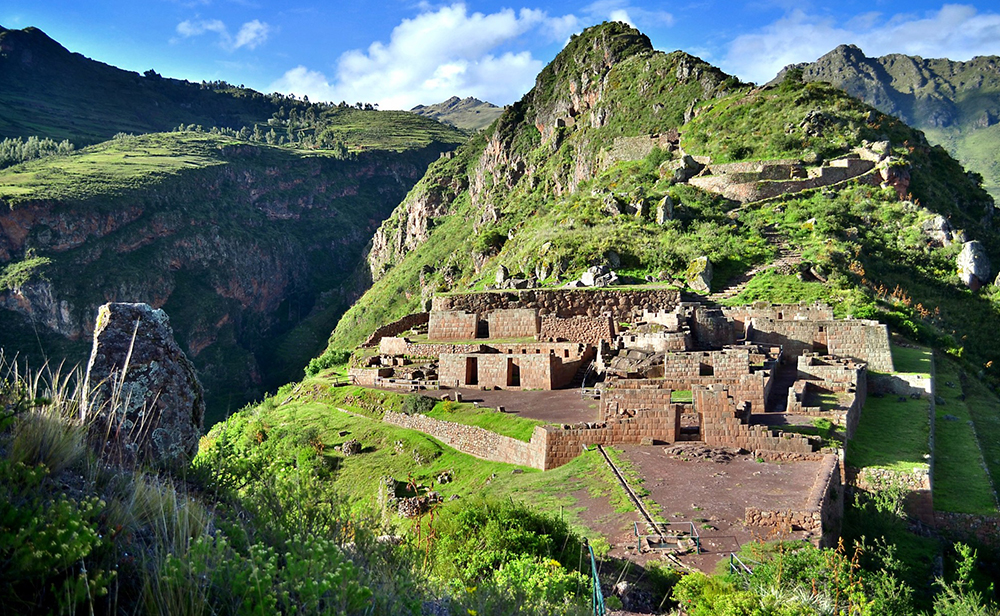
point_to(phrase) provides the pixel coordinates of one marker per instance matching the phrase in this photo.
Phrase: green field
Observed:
(911, 360)
(961, 483)
(891, 434)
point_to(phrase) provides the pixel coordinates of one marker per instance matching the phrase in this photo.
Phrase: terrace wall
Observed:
(820, 515)
(585, 329)
(475, 441)
(620, 304)
(396, 328)
(452, 325)
(514, 323)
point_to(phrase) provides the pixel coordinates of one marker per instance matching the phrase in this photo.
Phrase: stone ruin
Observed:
(666, 370)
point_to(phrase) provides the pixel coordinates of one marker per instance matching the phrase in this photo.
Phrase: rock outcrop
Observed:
(142, 397)
(973, 265)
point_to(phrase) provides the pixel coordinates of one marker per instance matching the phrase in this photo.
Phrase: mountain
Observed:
(469, 114)
(594, 166)
(48, 91)
(245, 226)
(957, 104)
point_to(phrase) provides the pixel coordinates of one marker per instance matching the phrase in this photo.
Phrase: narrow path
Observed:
(787, 258)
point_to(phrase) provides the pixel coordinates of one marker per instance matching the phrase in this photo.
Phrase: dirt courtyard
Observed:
(713, 495)
(559, 406)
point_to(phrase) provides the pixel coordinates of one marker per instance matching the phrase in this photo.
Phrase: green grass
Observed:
(909, 424)
(408, 455)
(681, 396)
(770, 286)
(961, 484)
(911, 360)
(488, 419)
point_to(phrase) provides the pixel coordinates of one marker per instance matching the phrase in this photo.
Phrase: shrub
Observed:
(329, 359)
(415, 404)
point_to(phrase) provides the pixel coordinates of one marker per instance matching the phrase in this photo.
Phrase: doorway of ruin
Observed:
(513, 373)
(472, 371)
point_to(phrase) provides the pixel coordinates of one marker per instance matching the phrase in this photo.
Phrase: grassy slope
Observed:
(315, 407)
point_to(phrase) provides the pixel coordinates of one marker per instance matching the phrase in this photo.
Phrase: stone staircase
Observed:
(788, 258)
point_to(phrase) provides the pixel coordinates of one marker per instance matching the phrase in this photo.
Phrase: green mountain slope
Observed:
(957, 104)
(571, 176)
(247, 247)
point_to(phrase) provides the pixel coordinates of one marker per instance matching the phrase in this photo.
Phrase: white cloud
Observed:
(448, 51)
(250, 35)
(955, 31)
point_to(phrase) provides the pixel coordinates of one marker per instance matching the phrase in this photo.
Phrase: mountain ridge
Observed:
(957, 103)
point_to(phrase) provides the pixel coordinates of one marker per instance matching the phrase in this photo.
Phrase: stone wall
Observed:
(367, 377)
(821, 513)
(787, 312)
(657, 342)
(724, 424)
(623, 305)
(563, 443)
(514, 323)
(775, 180)
(452, 325)
(900, 384)
(396, 328)
(503, 371)
(586, 329)
(403, 346)
(475, 441)
(862, 340)
(967, 527)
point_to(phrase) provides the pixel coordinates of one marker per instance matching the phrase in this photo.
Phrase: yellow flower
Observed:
(472, 612)
(470, 589)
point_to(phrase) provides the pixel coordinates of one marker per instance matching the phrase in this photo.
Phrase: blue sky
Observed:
(403, 53)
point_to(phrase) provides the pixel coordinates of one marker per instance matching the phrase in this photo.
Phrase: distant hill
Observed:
(469, 114)
(957, 104)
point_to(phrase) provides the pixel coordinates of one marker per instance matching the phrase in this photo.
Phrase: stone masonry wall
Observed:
(367, 377)
(475, 441)
(723, 425)
(623, 305)
(967, 527)
(396, 328)
(452, 325)
(563, 443)
(498, 370)
(586, 329)
(514, 323)
(657, 342)
(403, 346)
(862, 340)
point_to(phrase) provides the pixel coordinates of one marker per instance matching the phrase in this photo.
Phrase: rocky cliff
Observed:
(247, 247)
(468, 114)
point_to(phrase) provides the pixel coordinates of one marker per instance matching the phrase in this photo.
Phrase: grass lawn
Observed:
(488, 419)
(906, 359)
(960, 481)
(891, 434)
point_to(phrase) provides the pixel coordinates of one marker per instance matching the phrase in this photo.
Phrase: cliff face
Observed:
(956, 103)
(247, 249)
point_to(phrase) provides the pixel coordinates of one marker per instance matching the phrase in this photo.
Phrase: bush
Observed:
(415, 404)
(329, 359)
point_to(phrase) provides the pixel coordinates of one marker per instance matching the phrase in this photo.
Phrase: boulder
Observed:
(590, 276)
(973, 265)
(664, 210)
(141, 394)
(699, 275)
(502, 275)
(938, 230)
(681, 169)
(895, 174)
